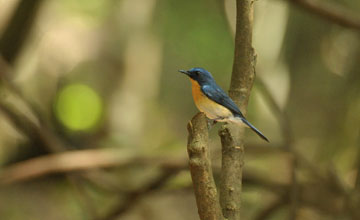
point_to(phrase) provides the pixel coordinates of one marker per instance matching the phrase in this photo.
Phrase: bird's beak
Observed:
(185, 72)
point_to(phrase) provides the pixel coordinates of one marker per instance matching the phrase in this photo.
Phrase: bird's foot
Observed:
(211, 123)
(219, 119)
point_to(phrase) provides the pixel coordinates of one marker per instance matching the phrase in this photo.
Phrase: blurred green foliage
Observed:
(78, 107)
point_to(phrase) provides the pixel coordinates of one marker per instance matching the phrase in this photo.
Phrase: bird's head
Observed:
(198, 74)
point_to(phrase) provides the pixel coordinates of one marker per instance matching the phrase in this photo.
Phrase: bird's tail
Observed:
(252, 127)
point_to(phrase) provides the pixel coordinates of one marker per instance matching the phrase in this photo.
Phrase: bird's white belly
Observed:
(213, 110)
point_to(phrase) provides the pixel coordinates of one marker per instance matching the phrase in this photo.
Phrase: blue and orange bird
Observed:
(210, 99)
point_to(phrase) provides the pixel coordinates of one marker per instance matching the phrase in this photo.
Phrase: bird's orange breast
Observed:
(212, 109)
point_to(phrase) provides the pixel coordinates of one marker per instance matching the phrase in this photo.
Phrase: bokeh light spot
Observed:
(78, 107)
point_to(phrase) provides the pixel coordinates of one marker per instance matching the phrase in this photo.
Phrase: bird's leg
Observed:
(219, 119)
(211, 123)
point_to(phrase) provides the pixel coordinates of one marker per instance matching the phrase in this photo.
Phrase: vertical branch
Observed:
(200, 168)
(357, 180)
(232, 138)
(18, 29)
(244, 58)
(231, 175)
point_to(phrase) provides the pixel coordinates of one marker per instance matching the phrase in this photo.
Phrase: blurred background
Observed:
(93, 112)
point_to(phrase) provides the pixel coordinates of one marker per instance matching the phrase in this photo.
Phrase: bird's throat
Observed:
(196, 91)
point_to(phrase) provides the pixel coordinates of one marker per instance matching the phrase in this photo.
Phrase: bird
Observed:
(210, 99)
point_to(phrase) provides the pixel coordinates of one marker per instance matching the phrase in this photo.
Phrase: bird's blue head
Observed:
(198, 74)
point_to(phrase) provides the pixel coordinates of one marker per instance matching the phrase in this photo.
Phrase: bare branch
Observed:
(287, 133)
(282, 118)
(79, 160)
(357, 180)
(133, 196)
(232, 137)
(62, 162)
(331, 12)
(200, 168)
(18, 29)
(271, 208)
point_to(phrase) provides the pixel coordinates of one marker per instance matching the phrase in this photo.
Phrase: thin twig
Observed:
(6, 74)
(11, 43)
(331, 12)
(34, 131)
(133, 196)
(207, 199)
(357, 180)
(287, 134)
(77, 185)
(271, 208)
(282, 118)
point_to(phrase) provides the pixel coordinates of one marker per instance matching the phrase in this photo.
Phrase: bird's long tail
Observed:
(252, 127)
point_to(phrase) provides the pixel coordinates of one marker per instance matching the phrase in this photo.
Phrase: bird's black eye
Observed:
(197, 73)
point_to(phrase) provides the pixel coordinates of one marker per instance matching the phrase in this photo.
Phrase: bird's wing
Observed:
(215, 93)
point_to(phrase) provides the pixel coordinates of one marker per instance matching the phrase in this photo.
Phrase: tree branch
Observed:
(80, 160)
(232, 137)
(357, 178)
(331, 12)
(271, 208)
(64, 162)
(231, 175)
(287, 133)
(17, 30)
(200, 168)
(133, 196)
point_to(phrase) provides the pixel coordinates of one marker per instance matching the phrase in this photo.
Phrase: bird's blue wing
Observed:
(216, 94)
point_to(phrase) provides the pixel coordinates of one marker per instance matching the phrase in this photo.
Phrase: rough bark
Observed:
(242, 79)
(207, 199)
